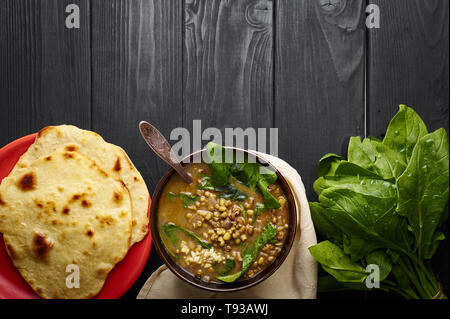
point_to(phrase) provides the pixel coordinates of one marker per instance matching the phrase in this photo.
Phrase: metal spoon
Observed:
(162, 148)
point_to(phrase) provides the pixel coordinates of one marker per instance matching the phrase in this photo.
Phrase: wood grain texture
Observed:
(228, 63)
(137, 75)
(44, 67)
(319, 81)
(409, 64)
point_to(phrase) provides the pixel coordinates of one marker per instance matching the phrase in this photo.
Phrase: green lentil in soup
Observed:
(209, 233)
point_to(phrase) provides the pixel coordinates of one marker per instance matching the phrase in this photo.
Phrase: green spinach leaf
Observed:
(423, 191)
(404, 131)
(169, 231)
(188, 200)
(259, 210)
(228, 191)
(376, 157)
(251, 174)
(229, 266)
(219, 164)
(323, 225)
(337, 263)
(382, 260)
(250, 252)
(328, 164)
(366, 210)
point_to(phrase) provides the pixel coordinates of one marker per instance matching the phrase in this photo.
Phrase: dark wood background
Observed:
(308, 67)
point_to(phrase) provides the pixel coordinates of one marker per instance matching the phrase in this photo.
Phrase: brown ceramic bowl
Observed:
(241, 283)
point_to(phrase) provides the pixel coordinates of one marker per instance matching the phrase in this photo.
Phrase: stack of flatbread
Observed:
(73, 201)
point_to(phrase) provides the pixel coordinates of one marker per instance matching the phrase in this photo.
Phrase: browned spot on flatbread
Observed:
(71, 148)
(90, 233)
(134, 222)
(43, 131)
(85, 252)
(117, 197)
(124, 185)
(85, 203)
(117, 166)
(38, 203)
(66, 210)
(39, 291)
(93, 165)
(48, 158)
(27, 182)
(41, 246)
(2, 202)
(107, 220)
(68, 155)
(76, 197)
(102, 271)
(11, 251)
(135, 179)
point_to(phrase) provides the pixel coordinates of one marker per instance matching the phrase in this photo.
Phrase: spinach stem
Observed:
(403, 293)
(410, 273)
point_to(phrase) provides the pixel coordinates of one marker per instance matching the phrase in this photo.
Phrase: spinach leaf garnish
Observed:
(188, 200)
(228, 191)
(234, 194)
(384, 206)
(250, 252)
(259, 210)
(254, 175)
(228, 267)
(170, 230)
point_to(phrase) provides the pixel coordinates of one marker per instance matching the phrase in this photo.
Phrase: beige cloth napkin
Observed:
(295, 279)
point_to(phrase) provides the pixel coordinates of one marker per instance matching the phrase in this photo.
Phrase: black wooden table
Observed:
(311, 68)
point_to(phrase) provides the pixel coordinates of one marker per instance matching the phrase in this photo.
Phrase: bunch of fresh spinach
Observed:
(384, 206)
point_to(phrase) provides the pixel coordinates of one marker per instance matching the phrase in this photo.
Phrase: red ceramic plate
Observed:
(13, 286)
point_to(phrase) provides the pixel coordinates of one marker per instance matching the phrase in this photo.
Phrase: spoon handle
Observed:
(162, 148)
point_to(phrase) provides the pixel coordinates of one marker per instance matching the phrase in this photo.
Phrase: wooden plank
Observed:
(44, 67)
(409, 62)
(319, 80)
(137, 75)
(409, 65)
(228, 64)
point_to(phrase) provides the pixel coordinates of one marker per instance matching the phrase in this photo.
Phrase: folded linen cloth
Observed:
(295, 279)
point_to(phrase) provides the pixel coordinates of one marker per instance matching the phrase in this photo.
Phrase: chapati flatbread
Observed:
(63, 210)
(109, 157)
